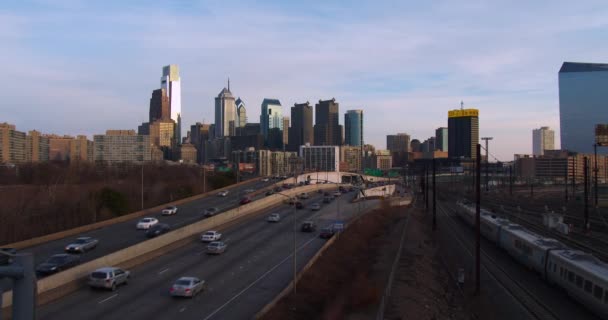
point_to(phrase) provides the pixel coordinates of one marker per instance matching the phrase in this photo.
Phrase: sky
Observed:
(81, 67)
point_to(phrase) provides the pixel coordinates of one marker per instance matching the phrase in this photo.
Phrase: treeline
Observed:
(39, 199)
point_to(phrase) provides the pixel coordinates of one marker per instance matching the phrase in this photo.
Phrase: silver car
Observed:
(315, 207)
(211, 212)
(216, 247)
(81, 245)
(108, 278)
(187, 287)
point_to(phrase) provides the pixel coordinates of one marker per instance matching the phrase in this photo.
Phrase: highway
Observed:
(256, 267)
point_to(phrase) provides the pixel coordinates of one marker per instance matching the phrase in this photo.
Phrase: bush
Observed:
(113, 200)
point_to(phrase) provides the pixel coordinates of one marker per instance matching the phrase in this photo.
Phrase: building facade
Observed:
(327, 130)
(285, 131)
(36, 147)
(441, 139)
(171, 83)
(351, 156)
(159, 106)
(81, 149)
(320, 158)
(399, 142)
(300, 132)
(353, 128)
(225, 114)
(582, 104)
(271, 116)
(121, 146)
(12, 144)
(241, 113)
(382, 159)
(463, 130)
(60, 147)
(543, 139)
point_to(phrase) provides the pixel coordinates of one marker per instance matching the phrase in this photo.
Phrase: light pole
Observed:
(486, 139)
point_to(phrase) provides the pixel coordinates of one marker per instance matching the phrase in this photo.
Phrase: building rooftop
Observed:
(271, 101)
(582, 67)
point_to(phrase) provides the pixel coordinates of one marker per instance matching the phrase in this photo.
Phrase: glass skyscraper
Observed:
(583, 103)
(353, 127)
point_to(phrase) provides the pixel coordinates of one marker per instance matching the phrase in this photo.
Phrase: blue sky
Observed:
(81, 67)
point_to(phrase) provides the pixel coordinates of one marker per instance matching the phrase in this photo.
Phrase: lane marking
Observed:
(108, 298)
(258, 279)
(163, 271)
(182, 309)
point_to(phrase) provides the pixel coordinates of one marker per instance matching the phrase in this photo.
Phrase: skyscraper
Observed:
(582, 104)
(159, 106)
(301, 131)
(441, 139)
(463, 130)
(271, 116)
(285, 131)
(327, 128)
(398, 143)
(225, 113)
(353, 125)
(170, 81)
(241, 113)
(36, 147)
(543, 139)
(12, 144)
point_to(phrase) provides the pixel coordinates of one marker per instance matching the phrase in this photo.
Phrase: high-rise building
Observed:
(36, 147)
(441, 139)
(161, 133)
(199, 133)
(327, 130)
(399, 142)
(582, 104)
(241, 113)
(320, 158)
(463, 130)
(12, 144)
(118, 146)
(353, 127)
(300, 132)
(171, 82)
(382, 159)
(81, 149)
(285, 131)
(415, 146)
(225, 114)
(543, 139)
(351, 155)
(60, 147)
(428, 145)
(271, 116)
(159, 106)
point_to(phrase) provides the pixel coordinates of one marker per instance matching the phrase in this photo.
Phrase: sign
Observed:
(247, 167)
(463, 113)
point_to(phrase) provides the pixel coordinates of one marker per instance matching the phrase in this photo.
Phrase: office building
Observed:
(162, 133)
(159, 106)
(121, 146)
(353, 127)
(543, 139)
(285, 131)
(350, 156)
(241, 113)
(382, 159)
(271, 116)
(399, 142)
(582, 104)
(225, 114)
(171, 83)
(320, 158)
(327, 130)
(36, 147)
(81, 149)
(415, 146)
(463, 130)
(199, 133)
(12, 144)
(186, 153)
(441, 139)
(428, 145)
(300, 132)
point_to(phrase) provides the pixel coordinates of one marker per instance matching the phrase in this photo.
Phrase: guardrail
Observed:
(141, 252)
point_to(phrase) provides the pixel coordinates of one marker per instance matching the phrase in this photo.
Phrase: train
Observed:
(583, 276)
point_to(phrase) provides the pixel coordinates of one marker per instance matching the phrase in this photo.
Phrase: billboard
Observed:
(247, 167)
(601, 134)
(463, 113)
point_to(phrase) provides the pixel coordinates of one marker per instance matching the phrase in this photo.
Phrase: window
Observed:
(579, 281)
(554, 267)
(561, 272)
(598, 292)
(588, 286)
(571, 276)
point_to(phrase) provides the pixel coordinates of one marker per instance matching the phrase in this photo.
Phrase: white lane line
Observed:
(163, 271)
(182, 309)
(257, 280)
(108, 298)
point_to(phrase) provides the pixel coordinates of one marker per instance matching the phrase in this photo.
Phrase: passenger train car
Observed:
(581, 275)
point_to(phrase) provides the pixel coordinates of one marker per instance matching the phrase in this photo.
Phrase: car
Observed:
(278, 189)
(210, 236)
(286, 186)
(157, 230)
(291, 201)
(327, 199)
(146, 223)
(274, 217)
(249, 190)
(265, 180)
(108, 278)
(210, 212)
(315, 206)
(82, 245)
(216, 247)
(269, 192)
(303, 195)
(5, 257)
(299, 205)
(245, 200)
(327, 232)
(56, 263)
(223, 193)
(342, 189)
(308, 226)
(187, 287)
(168, 211)
(336, 193)
(338, 226)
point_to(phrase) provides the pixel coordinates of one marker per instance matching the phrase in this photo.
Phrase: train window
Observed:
(561, 272)
(554, 267)
(588, 286)
(606, 298)
(579, 281)
(598, 292)
(571, 276)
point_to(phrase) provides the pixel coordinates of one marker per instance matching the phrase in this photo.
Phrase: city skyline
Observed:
(507, 69)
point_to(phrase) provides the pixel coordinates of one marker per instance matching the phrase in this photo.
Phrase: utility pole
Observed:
(486, 139)
(586, 181)
(511, 180)
(434, 200)
(477, 220)
(574, 177)
(566, 181)
(426, 187)
(595, 170)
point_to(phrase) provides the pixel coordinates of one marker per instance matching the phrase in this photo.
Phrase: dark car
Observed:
(56, 263)
(299, 205)
(6, 259)
(157, 230)
(327, 199)
(245, 200)
(278, 189)
(269, 192)
(327, 232)
(308, 226)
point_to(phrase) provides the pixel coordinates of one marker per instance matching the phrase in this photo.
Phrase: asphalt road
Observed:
(122, 235)
(256, 267)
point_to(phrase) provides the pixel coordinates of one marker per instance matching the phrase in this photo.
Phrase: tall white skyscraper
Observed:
(170, 81)
(542, 139)
(225, 113)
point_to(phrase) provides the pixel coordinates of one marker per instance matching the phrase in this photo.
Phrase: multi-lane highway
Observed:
(256, 267)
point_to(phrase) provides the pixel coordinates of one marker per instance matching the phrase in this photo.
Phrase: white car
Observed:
(275, 217)
(249, 190)
(223, 193)
(303, 195)
(210, 236)
(265, 180)
(146, 223)
(168, 211)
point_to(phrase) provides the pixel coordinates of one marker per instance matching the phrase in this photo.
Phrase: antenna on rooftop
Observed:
(461, 105)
